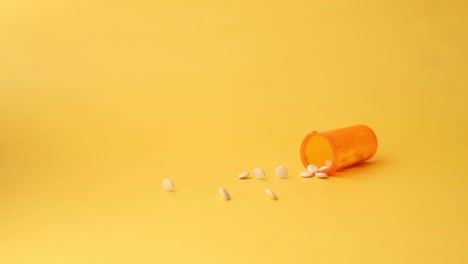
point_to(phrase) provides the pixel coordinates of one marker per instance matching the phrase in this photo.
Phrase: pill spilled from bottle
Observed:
(323, 168)
(321, 175)
(224, 193)
(306, 174)
(271, 194)
(243, 175)
(259, 173)
(312, 168)
(281, 172)
(168, 185)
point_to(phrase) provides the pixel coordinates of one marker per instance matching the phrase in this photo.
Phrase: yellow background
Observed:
(101, 100)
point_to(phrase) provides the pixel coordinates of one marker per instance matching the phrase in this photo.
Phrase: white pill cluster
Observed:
(281, 172)
(314, 170)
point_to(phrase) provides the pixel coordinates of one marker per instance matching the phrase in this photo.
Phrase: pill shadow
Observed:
(357, 170)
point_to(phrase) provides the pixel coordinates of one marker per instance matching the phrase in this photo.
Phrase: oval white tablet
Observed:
(321, 175)
(259, 173)
(224, 193)
(168, 185)
(312, 168)
(328, 163)
(323, 168)
(271, 194)
(243, 175)
(281, 172)
(306, 174)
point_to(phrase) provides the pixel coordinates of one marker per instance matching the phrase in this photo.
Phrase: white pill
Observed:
(328, 163)
(306, 174)
(321, 175)
(259, 173)
(271, 194)
(281, 172)
(224, 193)
(243, 175)
(323, 168)
(168, 185)
(312, 168)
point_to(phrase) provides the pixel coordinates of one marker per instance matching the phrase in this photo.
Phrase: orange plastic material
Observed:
(344, 147)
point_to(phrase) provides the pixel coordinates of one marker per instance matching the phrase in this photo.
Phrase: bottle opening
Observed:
(317, 149)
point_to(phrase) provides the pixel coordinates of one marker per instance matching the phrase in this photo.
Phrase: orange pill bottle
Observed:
(345, 147)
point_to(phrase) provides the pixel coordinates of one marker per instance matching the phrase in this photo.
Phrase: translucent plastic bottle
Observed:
(344, 147)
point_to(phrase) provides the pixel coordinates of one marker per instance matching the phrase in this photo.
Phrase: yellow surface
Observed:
(101, 100)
